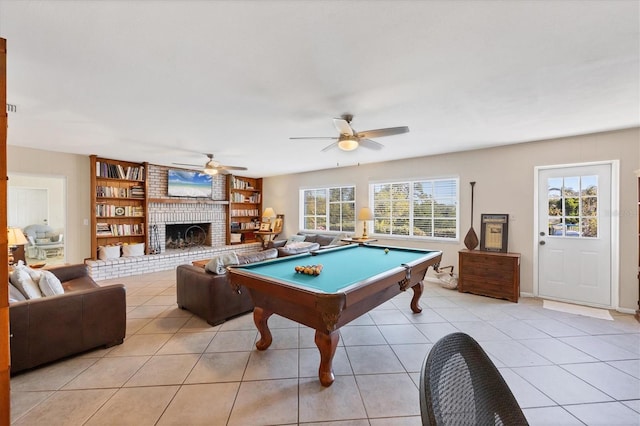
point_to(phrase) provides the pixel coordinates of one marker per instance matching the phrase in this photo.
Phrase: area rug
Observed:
(577, 309)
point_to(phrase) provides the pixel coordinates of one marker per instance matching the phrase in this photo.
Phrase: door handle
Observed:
(542, 243)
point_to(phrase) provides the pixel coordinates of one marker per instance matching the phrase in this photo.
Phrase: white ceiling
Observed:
(164, 81)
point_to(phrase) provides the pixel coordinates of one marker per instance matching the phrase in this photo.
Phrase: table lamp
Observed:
(15, 237)
(365, 214)
(269, 213)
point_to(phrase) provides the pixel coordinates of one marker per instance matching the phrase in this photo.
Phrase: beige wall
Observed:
(75, 168)
(505, 184)
(504, 179)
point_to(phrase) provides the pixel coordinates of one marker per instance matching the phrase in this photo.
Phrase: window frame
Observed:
(327, 190)
(411, 182)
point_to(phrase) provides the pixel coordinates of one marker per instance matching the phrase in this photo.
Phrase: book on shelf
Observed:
(117, 171)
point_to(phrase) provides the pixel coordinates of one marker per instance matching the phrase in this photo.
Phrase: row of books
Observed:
(239, 183)
(115, 192)
(109, 210)
(238, 226)
(241, 198)
(116, 230)
(245, 212)
(117, 171)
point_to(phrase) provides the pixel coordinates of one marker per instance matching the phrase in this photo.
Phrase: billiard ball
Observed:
(386, 251)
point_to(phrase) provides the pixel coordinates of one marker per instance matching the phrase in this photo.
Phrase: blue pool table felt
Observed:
(341, 268)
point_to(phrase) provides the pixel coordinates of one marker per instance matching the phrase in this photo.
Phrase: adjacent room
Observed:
(278, 212)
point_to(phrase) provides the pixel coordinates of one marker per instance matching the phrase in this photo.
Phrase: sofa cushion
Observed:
(49, 284)
(22, 280)
(15, 295)
(297, 248)
(325, 240)
(218, 264)
(310, 238)
(295, 239)
(245, 259)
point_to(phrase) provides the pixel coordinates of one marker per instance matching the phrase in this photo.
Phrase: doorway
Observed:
(575, 233)
(39, 200)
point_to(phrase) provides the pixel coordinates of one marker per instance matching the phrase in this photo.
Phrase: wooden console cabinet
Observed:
(489, 274)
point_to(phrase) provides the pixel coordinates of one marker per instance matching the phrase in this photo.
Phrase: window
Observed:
(573, 206)
(426, 209)
(331, 209)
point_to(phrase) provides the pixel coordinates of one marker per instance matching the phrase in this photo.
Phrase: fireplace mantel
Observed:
(186, 201)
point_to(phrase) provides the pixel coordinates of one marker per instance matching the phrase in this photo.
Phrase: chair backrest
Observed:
(459, 385)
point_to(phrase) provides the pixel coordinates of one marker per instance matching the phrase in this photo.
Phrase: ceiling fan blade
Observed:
(382, 132)
(328, 147)
(368, 143)
(221, 167)
(185, 164)
(314, 137)
(343, 126)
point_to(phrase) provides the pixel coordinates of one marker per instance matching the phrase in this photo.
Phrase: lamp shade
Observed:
(365, 214)
(15, 237)
(268, 212)
(347, 143)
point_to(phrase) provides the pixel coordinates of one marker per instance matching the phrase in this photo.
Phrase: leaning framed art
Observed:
(494, 232)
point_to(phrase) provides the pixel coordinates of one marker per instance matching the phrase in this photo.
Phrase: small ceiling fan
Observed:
(212, 167)
(350, 139)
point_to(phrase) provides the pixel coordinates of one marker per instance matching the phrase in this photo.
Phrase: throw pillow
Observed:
(49, 284)
(133, 250)
(324, 240)
(295, 239)
(108, 252)
(21, 279)
(15, 295)
(218, 264)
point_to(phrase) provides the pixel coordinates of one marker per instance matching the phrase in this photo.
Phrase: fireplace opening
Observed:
(187, 235)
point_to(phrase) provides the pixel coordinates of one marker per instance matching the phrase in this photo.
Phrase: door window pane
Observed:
(573, 206)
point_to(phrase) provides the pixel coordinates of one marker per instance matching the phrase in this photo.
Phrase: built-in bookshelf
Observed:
(119, 201)
(245, 209)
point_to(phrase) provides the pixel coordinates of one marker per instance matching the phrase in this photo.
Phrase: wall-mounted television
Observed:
(187, 183)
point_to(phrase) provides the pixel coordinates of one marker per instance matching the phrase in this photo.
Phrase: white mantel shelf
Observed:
(186, 201)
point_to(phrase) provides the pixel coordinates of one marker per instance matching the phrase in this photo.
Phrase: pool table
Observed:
(354, 279)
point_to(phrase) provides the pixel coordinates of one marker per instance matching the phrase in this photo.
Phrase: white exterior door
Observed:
(574, 234)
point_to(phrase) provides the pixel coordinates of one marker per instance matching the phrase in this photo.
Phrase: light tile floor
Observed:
(174, 369)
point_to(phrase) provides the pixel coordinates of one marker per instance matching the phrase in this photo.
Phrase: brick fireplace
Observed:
(165, 211)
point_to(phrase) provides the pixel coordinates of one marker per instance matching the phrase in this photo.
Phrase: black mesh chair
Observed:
(459, 385)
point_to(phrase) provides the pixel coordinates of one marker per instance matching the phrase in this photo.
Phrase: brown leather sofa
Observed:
(211, 296)
(85, 317)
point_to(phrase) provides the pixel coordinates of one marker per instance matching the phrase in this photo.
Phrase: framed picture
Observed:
(494, 232)
(278, 223)
(265, 226)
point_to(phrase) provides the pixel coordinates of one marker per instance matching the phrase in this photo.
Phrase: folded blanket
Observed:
(218, 265)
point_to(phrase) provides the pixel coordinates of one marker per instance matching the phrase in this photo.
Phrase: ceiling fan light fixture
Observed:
(211, 171)
(347, 144)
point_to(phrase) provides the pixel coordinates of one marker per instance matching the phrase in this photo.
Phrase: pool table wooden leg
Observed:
(327, 344)
(260, 318)
(415, 300)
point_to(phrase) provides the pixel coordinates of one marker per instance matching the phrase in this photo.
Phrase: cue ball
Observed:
(386, 251)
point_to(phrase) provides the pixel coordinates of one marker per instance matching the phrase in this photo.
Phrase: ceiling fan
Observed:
(350, 139)
(212, 167)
